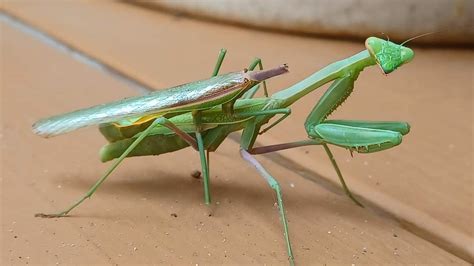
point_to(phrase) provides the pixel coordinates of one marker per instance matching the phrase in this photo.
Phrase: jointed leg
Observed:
(276, 122)
(208, 158)
(220, 59)
(397, 126)
(202, 156)
(204, 168)
(276, 187)
(285, 111)
(290, 145)
(250, 93)
(283, 146)
(102, 179)
(255, 62)
(185, 136)
(339, 174)
(360, 139)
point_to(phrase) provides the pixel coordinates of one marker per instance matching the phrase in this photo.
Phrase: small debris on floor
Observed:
(174, 215)
(196, 174)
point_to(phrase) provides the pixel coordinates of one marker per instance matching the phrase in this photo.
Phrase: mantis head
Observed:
(389, 55)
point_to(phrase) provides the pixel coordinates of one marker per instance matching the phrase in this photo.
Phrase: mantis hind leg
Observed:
(162, 121)
(91, 191)
(276, 187)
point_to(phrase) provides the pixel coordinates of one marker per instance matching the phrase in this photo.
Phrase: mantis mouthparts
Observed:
(266, 74)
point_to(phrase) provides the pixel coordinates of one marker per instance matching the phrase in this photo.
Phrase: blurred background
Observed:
(58, 56)
(452, 20)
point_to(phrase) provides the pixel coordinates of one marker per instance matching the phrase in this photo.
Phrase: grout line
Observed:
(78, 55)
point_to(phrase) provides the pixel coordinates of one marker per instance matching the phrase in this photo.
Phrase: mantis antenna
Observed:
(419, 36)
(388, 38)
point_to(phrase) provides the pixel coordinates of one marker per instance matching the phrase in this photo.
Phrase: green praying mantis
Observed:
(204, 122)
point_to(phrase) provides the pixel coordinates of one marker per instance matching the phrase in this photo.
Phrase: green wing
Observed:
(195, 95)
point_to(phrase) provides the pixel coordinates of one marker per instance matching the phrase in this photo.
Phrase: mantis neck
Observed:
(355, 63)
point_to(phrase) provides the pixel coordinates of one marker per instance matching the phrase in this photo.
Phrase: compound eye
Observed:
(407, 55)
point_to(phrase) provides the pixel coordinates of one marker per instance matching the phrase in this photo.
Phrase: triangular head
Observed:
(389, 55)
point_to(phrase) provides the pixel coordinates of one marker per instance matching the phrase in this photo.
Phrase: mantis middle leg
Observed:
(276, 187)
(216, 137)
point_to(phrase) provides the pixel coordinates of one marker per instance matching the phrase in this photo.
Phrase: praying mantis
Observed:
(205, 127)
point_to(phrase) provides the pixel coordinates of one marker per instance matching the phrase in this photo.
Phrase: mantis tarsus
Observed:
(145, 136)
